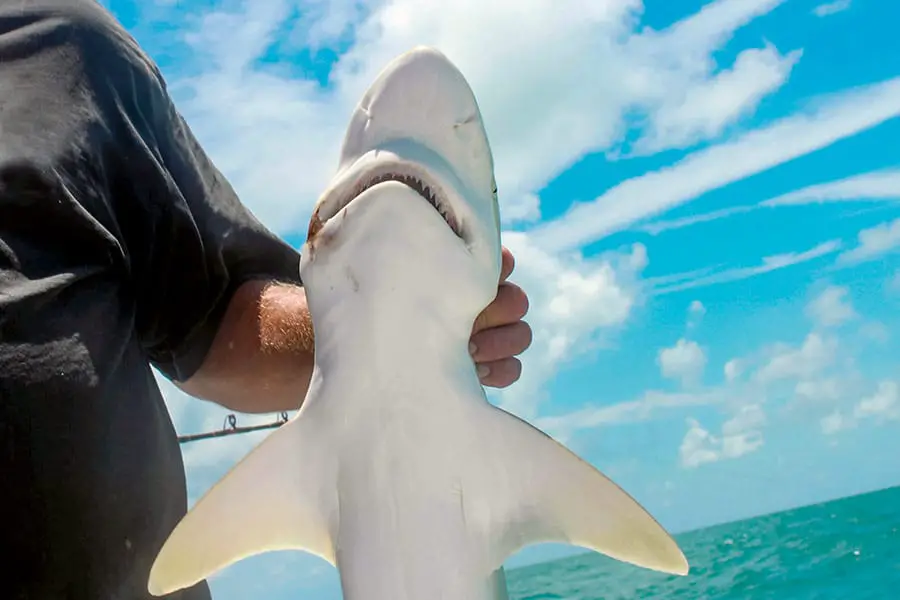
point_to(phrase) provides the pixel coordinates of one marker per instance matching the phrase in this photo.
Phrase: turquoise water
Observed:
(848, 549)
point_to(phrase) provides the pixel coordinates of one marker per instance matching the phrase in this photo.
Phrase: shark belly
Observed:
(404, 532)
(392, 548)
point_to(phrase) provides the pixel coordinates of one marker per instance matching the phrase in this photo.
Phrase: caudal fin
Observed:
(279, 497)
(531, 489)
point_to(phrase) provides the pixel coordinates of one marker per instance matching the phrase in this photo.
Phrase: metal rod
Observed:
(230, 428)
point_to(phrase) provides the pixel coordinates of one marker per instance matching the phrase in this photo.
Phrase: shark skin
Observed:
(396, 469)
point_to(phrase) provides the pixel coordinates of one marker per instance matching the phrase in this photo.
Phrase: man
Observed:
(122, 246)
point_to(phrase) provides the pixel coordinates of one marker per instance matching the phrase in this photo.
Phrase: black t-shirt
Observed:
(120, 245)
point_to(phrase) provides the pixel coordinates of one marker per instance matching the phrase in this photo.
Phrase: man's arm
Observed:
(261, 357)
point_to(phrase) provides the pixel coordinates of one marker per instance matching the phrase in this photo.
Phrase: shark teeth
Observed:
(430, 193)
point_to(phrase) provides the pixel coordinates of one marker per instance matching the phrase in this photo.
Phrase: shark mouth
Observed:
(432, 193)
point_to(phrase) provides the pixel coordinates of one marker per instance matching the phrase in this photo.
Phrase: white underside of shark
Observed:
(397, 470)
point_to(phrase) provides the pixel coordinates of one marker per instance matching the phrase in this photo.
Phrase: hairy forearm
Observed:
(262, 357)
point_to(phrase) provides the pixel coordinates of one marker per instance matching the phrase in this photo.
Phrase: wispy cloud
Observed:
(684, 361)
(831, 8)
(804, 363)
(650, 405)
(657, 227)
(878, 185)
(883, 404)
(873, 243)
(883, 185)
(825, 122)
(696, 312)
(769, 264)
(705, 110)
(742, 434)
(831, 307)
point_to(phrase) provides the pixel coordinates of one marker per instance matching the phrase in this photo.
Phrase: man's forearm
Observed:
(262, 357)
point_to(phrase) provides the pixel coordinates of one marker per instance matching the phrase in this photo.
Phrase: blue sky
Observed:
(703, 198)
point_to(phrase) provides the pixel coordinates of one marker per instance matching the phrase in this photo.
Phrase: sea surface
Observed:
(847, 549)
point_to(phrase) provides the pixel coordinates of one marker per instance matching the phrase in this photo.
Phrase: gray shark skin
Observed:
(397, 470)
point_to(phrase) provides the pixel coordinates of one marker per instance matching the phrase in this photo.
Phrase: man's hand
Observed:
(500, 334)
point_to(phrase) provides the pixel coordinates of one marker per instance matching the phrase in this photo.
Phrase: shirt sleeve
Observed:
(190, 241)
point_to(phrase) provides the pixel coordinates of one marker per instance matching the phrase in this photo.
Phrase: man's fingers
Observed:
(499, 333)
(510, 305)
(500, 373)
(507, 265)
(501, 342)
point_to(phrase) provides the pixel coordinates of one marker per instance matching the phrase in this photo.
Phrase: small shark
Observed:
(397, 470)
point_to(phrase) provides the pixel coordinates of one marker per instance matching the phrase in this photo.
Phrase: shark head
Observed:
(414, 194)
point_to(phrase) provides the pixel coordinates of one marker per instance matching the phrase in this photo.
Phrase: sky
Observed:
(703, 199)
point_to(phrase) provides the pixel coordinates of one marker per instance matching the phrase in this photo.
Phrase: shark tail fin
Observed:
(264, 503)
(534, 490)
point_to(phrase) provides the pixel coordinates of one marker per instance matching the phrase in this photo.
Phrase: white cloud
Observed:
(684, 361)
(657, 227)
(834, 422)
(883, 404)
(705, 110)
(741, 435)
(573, 301)
(815, 354)
(825, 122)
(733, 369)
(645, 408)
(699, 446)
(831, 307)
(877, 185)
(831, 8)
(769, 264)
(873, 243)
(883, 185)
(819, 390)
(696, 312)
(524, 208)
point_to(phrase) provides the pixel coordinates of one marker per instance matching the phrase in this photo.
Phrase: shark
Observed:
(397, 469)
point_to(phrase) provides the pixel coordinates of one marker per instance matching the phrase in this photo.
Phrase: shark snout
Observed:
(422, 97)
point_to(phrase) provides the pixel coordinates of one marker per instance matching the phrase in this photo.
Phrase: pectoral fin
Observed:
(534, 490)
(280, 496)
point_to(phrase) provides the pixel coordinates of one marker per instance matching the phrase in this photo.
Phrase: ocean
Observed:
(847, 549)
